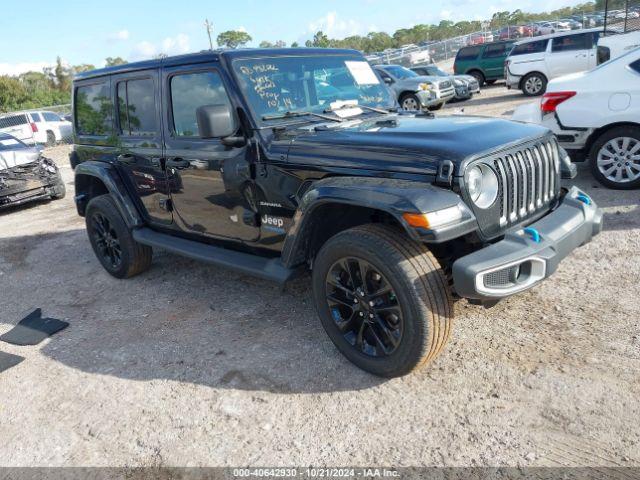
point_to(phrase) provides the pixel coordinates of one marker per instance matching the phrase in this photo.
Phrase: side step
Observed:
(265, 268)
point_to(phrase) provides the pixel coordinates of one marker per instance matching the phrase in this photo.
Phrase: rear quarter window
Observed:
(635, 66)
(93, 110)
(468, 53)
(36, 117)
(13, 121)
(539, 46)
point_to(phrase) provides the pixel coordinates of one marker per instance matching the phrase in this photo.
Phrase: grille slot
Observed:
(502, 278)
(529, 180)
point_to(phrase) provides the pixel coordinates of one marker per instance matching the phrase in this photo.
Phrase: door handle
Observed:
(178, 163)
(127, 158)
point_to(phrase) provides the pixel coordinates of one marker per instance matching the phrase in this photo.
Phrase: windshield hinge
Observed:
(445, 174)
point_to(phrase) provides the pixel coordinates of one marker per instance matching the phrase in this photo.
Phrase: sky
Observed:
(86, 32)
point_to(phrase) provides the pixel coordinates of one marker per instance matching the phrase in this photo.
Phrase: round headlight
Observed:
(482, 185)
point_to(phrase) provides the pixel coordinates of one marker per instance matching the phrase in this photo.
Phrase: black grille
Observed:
(445, 84)
(501, 278)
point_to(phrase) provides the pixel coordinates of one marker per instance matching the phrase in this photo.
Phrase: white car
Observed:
(613, 46)
(533, 62)
(596, 115)
(544, 28)
(37, 127)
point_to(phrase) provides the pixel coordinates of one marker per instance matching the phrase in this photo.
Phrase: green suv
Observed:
(484, 62)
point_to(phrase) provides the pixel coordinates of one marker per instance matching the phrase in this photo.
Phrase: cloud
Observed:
(335, 27)
(170, 46)
(14, 69)
(119, 36)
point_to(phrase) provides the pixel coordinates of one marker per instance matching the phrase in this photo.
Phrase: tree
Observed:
(113, 61)
(233, 39)
(295, 45)
(266, 44)
(85, 67)
(320, 40)
(280, 44)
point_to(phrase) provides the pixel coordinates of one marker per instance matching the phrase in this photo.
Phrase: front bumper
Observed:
(526, 257)
(513, 81)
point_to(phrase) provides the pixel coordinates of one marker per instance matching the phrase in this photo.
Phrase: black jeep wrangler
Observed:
(271, 162)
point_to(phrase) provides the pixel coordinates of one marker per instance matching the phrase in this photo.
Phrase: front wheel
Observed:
(383, 299)
(410, 102)
(112, 242)
(615, 158)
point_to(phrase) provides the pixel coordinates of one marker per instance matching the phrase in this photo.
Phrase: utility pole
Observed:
(209, 26)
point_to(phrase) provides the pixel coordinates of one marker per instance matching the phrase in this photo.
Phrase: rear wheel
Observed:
(410, 102)
(382, 299)
(615, 158)
(479, 76)
(112, 242)
(534, 84)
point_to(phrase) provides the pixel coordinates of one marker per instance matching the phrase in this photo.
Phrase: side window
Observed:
(50, 117)
(635, 66)
(469, 53)
(188, 93)
(495, 51)
(567, 43)
(539, 46)
(137, 108)
(36, 117)
(93, 110)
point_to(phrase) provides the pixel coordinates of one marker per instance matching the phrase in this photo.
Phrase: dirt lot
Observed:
(192, 365)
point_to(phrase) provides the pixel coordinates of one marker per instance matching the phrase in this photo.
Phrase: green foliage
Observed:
(113, 61)
(233, 39)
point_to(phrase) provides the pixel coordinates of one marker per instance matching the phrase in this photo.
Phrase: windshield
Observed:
(400, 72)
(437, 72)
(308, 84)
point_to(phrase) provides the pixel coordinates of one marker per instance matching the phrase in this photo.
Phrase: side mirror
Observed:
(388, 80)
(216, 121)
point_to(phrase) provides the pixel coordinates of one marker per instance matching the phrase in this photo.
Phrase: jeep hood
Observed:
(406, 143)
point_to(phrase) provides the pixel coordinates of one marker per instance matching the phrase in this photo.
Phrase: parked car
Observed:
(613, 46)
(515, 32)
(481, 38)
(573, 24)
(465, 85)
(416, 92)
(484, 62)
(544, 28)
(533, 62)
(393, 212)
(561, 26)
(25, 175)
(596, 118)
(42, 127)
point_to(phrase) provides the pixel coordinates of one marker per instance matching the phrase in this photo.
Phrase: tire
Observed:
(491, 82)
(624, 164)
(410, 102)
(51, 139)
(419, 296)
(534, 84)
(61, 191)
(102, 216)
(479, 76)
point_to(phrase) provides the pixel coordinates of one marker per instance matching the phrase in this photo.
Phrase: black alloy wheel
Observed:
(364, 307)
(106, 240)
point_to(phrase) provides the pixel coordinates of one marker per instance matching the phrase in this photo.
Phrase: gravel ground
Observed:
(193, 365)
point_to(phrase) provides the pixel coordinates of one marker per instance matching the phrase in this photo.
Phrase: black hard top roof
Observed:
(211, 56)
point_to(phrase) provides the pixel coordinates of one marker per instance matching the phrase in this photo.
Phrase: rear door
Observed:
(212, 184)
(493, 60)
(139, 139)
(569, 54)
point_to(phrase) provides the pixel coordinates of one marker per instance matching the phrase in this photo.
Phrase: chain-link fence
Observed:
(616, 20)
(44, 126)
(622, 17)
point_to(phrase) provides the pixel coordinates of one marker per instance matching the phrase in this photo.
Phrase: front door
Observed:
(139, 143)
(569, 54)
(493, 59)
(211, 184)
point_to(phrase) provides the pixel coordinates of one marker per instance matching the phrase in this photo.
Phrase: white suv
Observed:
(596, 115)
(41, 127)
(533, 62)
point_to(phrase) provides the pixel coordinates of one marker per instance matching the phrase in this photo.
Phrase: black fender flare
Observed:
(110, 178)
(392, 196)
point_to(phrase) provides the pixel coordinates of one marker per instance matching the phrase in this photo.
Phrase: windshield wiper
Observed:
(291, 114)
(350, 106)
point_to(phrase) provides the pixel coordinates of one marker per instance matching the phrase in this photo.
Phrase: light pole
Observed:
(209, 26)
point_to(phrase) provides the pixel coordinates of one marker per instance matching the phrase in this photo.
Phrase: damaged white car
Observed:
(26, 175)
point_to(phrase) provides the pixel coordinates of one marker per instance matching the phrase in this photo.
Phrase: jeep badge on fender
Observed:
(294, 159)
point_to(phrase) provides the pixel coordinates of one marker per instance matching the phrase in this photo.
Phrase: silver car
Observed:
(465, 85)
(416, 92)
